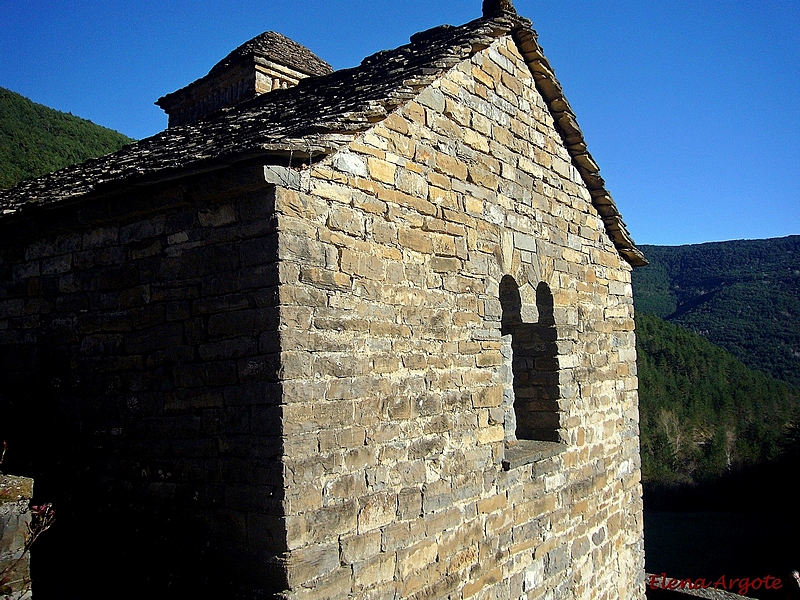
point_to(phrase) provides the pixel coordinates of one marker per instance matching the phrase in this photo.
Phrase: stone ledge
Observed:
(526, 452)
(14, 489)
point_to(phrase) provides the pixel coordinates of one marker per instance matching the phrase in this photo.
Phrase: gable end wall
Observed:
(393, 361)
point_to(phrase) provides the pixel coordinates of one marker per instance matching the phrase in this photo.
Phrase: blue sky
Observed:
(691, 108)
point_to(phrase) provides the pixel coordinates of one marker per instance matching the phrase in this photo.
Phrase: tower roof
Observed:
(267, 62)
(278, 48)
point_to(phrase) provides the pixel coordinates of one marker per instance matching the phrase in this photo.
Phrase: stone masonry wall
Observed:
(138, 371)
(392, 359)
(306, 388)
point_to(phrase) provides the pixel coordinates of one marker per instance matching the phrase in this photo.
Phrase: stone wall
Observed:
(15, 517)
(138, 371)
(393, 358)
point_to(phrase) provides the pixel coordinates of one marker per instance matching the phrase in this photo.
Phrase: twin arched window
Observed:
(534, 365)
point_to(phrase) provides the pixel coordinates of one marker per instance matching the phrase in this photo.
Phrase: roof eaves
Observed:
(71, 184)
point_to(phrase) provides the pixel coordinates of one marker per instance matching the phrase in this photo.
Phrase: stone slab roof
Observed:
(318, 116)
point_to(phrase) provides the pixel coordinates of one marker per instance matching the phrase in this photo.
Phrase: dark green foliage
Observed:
(35, 140)
(704, 413)
(743, 296)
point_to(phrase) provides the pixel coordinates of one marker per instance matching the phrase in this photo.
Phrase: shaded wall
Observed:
(138, 382)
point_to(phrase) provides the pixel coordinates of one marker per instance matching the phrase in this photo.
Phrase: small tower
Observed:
(268, 62)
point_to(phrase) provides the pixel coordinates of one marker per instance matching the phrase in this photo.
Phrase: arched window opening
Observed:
(531, 402)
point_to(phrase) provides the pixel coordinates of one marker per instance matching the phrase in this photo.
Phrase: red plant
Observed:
(43, 517)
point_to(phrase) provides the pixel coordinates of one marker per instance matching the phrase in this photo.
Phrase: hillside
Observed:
(704, 413)
(35, 139)
(742, 295)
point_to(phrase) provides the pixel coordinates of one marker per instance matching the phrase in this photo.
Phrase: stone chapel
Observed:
(364, 333)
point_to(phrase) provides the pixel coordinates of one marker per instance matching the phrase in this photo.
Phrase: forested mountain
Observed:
(702, 412)
(742, 295)
(35, 139)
